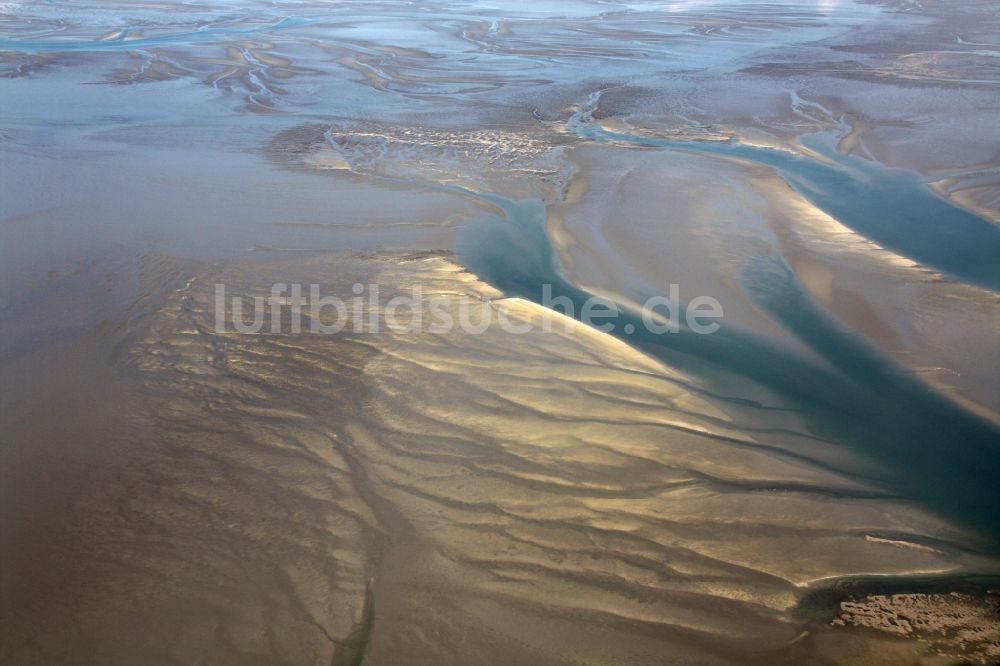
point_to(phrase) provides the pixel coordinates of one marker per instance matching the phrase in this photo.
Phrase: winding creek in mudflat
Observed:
(812, 482)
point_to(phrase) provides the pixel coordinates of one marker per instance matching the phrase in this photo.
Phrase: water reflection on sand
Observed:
(176, 494)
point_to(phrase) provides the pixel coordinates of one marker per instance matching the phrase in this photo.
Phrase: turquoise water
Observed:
(293, 485)
(892, 207)
(120, 43)
(930, 449)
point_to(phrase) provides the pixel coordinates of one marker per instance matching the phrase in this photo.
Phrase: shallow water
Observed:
(170, 493)
(892, 207)
(932, 450)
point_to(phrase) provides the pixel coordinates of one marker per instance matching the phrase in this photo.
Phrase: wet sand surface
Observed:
(814, 483)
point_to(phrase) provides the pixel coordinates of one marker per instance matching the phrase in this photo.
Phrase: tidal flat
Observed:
(814, 482)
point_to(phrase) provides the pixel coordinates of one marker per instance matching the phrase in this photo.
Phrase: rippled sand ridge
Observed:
(815, 482)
